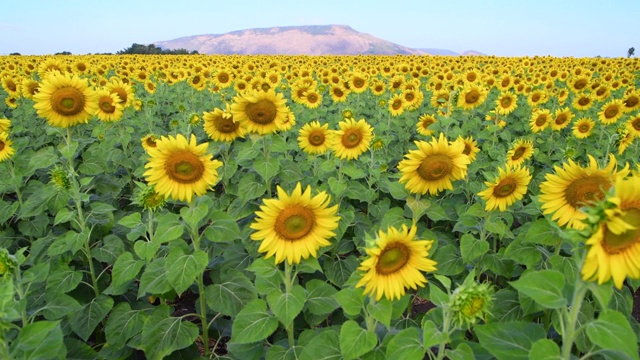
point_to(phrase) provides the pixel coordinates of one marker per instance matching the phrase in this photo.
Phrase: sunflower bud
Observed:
(470, 302)
(147, 197)
(60, 178)
(377, 144)
(7, 262)
(347, 114)
(194, 119)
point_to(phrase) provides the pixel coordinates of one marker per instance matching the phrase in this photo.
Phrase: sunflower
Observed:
(583, 128)
(471, 148)
(65, 100)
(338, 93)
(562, 119)
(578, 83)
(5, 125)
(353, 138)
(631, 101)
(29, 88)
(109, 107)
(506, 103)
(540, 119)
(633, 125)
(395, 262)
(295, 225)
(149, 141)
(433, 166)
(6, 151)
(624, 140)
(440, 98)
(10, 85)
(396, 105)
(537, 97)
(261, 112)
(611, 111)
(519, 152)
(614, 247)
(313, 138)
(311, 99)
(510, 185)
(220, 125)
(122, 89)
(582, 102)
(424, 122)
(572, 186)
(471, 96)
(179, 168)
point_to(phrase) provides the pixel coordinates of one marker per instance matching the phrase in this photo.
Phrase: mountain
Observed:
(295, 40)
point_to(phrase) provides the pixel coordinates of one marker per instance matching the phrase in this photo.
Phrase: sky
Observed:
(560, 28)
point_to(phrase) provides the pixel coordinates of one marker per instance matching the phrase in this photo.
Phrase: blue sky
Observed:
(578, 28)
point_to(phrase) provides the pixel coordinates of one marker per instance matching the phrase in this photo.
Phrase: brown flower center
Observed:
(67, 101)
(225, 125)
(262, 112)
(610, 112)
(631, 101)
(106, 105)
(617, 243)
(535, 97)
(316, 138)
(580, 84)
(584, 128)
(506, 101)
(1, 145)
(584, 101)
(122, 94)
(520, 151)
(586, 190)
(396, 104)
(294, 222)
(351, 138)
(184, 167)
(392, 258)
(541, 120)
(472, 97)
(561, 119)
(505, 187)
(435, 167)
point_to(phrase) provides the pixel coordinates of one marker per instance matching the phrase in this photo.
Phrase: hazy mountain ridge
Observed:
(297, 40)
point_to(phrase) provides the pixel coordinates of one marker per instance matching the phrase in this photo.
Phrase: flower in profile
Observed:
(572, 187)
(5, 125)
(149, 141)
(614, 245)
(471, 148)
(510, 186)
(65, 100)
(109, 107)
(353, 138)
(423, 124)
(433, 166)
(261, 112)
(519, 152)
(294, 226)
(470, 302)
(395, 262)
(583, 128)
(220, 125)
(180, 168)
(313, 138)
(6, 150)
(123, 89)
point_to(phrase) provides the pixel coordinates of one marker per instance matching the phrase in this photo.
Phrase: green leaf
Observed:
(309, 265)
(63, 216)
(193, 215)
(7, 210)
(231, 296)
(267, 169)
(183, 269)
(278, 352)
(355, 341)
(337, 187)
(263, 267)
(381, 311)
(545, 349)
(544, 287)
(146, 250)
(496, 226)
(71, 241)
(123, 324)
(109, 250)
(287, 305)
(462, 352)
(39, 340)
(603, 293)
(59, 305)
(418, 207)
(542, 232)
(223, 228)
(397, 190)
(449, 261)
(154, 279)
(42, 159)
(523, 253)
(63, 279)
(436, 212)
(169, 228)
(85, 321)
(406, 345)
(351, 300)
(320, 298)
(125, 269)
(510, 340)
(339, 271)
(323, 347)
(431, 335)
(612, 331)
(163, 334)
(249, 351)
(394, 217)
(253, 323)
(472, 248)
(131, 221)
(250, 188)
(437, 296)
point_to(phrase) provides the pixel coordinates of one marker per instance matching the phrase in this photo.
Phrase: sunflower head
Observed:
(148, 198)
(353, 138)
(60, 178)
(470, 302)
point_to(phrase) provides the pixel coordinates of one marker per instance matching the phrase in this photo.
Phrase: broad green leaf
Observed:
(168, 228)
(39, 340)
(381, 310)
(183, 269)
(63, 216)
(253, 323)
(397, 190)
(163, 334)
(278, 352)
(131, 221)
(125, 269)
(544, 287)
(248, 351)
(437, 296)
(338, 271)
(287, 305)
(320, 298)
(154, 279)
(436, 212)
(355, 341)
(542, 232)
(393, 218)
(418, 207)
(449, 260)
(267, 169)
(603, 293)
(612, 331)
(309, 265)
(193, 215)
(63, 279)
(351, 300)
(59, 305)
(462, 352)
(123, 324)
(42, 159)
(511, 340)
(232, 295)
(223, 228)
(323, 347)
(71, 241)
(250, 188)
(109, 250)
(523, 253)
(146, 250)
(85, 321)
(337, 187)
(545, 349)
(406, 345)
(431, 335)
(79, 350)
(263, 267)
(472, 248)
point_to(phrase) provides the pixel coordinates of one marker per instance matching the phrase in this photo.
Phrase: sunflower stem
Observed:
(288, 284)
(571, 318)
(265, 152)
(195, 238)
(446, 324)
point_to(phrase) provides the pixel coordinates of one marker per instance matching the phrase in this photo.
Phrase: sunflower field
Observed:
(319, 207)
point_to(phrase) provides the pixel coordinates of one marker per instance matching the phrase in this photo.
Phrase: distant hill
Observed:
(295, 40)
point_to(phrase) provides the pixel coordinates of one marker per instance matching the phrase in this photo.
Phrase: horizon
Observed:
(495, 28)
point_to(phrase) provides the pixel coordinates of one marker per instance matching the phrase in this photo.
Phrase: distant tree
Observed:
(631, 51)
(15, 54)
(153, 49)
(63, 53)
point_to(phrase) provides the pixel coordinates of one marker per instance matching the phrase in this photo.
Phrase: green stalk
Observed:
(203, 305)
(569, 333)
(446, 321)
(288, 284)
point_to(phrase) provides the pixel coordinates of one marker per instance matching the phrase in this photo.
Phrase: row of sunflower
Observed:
(145, 218)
